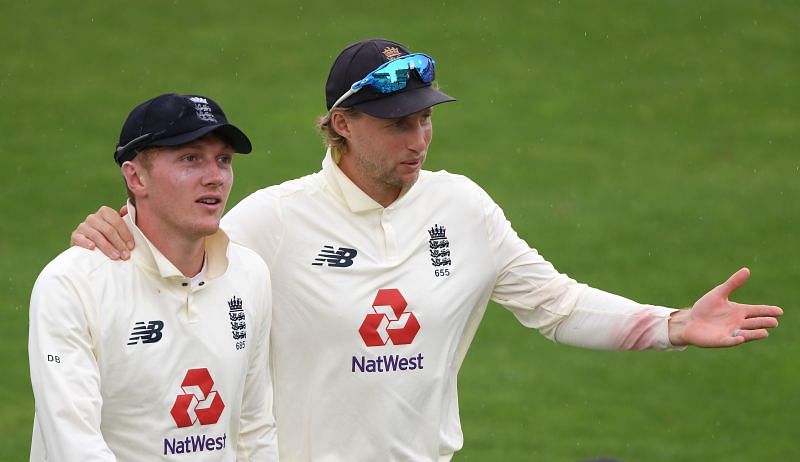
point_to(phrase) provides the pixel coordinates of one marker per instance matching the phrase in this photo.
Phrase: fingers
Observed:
(759, 323)
(752, 335)
(752, 311)
(113, 227)
(734, 282)
(106, 231)
(95, 235)
(741, 336)
(77, 239)
(731, 341)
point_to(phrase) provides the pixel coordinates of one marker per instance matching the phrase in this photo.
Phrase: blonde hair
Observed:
(145, 158)
(330, 137)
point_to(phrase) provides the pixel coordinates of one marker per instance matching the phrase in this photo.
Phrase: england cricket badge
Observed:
(238, 320)
(439, 248)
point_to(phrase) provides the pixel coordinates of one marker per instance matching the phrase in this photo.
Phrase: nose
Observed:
(419, 137)
(213, 175)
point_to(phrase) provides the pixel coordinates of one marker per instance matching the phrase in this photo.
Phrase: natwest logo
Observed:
(198, 403)
(390, 321)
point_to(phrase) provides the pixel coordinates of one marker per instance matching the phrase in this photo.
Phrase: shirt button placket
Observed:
(186, 285)
(390, 239)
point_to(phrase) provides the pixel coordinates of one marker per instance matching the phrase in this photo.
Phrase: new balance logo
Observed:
(341, 258)
(146, 333)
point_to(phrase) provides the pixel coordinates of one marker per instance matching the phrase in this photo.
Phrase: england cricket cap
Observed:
(171, 120)
(358, 60)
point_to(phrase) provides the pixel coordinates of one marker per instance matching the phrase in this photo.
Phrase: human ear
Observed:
(135, 178)
(340, 124)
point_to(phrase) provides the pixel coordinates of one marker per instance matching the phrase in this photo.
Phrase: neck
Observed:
(185, 252)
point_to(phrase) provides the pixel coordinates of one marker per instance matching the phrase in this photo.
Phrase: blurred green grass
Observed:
(643, 147)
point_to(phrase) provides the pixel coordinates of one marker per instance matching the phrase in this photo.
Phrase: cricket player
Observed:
(163, 356)
(382, 272)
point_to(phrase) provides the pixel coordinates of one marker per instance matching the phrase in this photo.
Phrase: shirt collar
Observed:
(346, 191)
(149, 257)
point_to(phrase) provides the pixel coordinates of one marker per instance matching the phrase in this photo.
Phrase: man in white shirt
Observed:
(382, 272)
(163, 356)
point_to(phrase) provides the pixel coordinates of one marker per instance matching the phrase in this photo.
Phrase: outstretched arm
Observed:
(105, 230)
(715, 321)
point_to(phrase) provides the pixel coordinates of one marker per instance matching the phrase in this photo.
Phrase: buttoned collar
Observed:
(346, 191)
(147, 256)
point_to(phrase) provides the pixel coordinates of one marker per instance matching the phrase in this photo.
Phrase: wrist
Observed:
(676, 326)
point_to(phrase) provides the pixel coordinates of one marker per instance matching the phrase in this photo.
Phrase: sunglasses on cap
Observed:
(393, 75)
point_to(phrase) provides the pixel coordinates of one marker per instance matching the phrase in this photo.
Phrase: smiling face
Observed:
(181, 191)
(383, 156)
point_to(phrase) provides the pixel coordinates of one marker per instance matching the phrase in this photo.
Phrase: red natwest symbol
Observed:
(389, 321)
(198, 403)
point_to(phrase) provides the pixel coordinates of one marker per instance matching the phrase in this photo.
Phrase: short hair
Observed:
(145, 158)
(337, 142)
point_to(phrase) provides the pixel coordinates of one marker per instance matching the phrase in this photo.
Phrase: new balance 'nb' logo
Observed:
(146, 333)
(337, 258)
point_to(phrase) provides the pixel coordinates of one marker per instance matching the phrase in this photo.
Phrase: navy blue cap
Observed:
(361, 58)
(171, 120)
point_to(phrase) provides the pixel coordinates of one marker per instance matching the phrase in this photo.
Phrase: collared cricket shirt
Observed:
(375, 308)
(132, 361)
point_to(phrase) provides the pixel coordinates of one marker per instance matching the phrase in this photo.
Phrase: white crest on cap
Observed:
(202, 109)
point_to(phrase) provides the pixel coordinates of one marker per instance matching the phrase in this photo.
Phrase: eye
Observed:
(189, 157)
(226, 159)
(401, 123)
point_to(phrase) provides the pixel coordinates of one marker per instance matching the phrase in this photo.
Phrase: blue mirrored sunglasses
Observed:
(393, 75)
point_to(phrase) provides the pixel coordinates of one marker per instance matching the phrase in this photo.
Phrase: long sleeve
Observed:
(258, 437)
(64, 372)
(562, 309)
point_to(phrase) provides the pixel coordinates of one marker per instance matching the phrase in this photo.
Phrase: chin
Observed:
(206, 229)
(408, 182)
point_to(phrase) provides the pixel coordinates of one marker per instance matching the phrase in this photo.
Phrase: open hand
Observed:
(715, 321)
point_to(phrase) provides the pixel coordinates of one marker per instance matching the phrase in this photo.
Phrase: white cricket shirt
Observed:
(375, 308)
(130, 362)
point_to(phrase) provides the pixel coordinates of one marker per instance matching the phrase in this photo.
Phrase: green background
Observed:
(647, 148)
